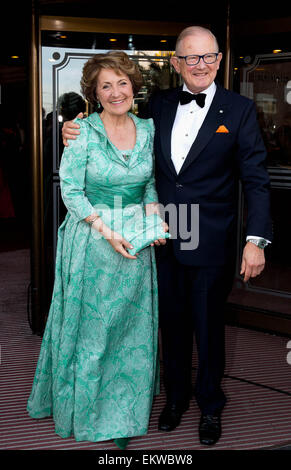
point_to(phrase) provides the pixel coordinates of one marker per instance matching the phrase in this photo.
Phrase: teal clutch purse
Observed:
(143, 231)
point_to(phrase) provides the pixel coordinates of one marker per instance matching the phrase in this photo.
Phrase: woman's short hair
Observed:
(118, 61)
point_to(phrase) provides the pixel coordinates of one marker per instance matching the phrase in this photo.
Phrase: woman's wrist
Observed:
(98, 225)
(95, 221)
(152, 208)
(91, 218)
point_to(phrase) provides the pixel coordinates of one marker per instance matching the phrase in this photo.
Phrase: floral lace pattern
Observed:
(98, 366)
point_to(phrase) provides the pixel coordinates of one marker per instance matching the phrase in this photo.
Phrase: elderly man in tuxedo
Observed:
(206, 140)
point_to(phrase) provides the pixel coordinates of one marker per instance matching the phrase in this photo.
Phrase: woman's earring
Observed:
(98, 105)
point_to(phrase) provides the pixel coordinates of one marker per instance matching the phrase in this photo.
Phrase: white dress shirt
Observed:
(188, 120)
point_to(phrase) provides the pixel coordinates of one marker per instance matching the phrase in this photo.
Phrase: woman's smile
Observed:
(114, 91)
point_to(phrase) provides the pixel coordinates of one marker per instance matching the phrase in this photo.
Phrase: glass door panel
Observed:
(62, 100)
(267, 80)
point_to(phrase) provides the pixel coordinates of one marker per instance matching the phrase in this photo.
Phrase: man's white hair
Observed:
(192, 31)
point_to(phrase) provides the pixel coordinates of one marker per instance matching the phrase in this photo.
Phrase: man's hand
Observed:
(253, 261)
(70, 130)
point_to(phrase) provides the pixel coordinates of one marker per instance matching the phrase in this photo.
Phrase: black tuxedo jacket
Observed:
(218, 158)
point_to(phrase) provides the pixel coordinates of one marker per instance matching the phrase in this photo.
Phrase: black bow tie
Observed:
(186, 97)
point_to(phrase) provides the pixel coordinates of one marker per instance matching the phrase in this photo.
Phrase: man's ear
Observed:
(175, 63)
(219, 58)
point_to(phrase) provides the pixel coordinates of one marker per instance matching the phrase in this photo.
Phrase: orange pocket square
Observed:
(223, 129)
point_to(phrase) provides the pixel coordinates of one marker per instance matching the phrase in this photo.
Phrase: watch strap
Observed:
(260, 242)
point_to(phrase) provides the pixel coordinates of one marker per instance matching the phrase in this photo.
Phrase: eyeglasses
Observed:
(209, 58)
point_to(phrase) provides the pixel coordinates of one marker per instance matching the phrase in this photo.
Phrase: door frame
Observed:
(39, 23)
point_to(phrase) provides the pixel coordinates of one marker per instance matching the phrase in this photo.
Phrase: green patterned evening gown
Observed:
(98, 367)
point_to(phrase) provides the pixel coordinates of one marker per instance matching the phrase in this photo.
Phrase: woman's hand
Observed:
(154, 208)
(161, 241)
(118, 243)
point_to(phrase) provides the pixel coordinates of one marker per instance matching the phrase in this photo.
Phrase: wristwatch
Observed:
(260, 242)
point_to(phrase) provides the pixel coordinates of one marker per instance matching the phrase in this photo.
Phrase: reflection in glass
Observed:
(265, 77)
(62, 100)
(268, 82)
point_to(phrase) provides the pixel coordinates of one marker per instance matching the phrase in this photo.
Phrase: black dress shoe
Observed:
(171, 416)
(209, 429)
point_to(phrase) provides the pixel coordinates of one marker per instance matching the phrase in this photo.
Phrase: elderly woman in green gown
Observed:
(97, 371)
